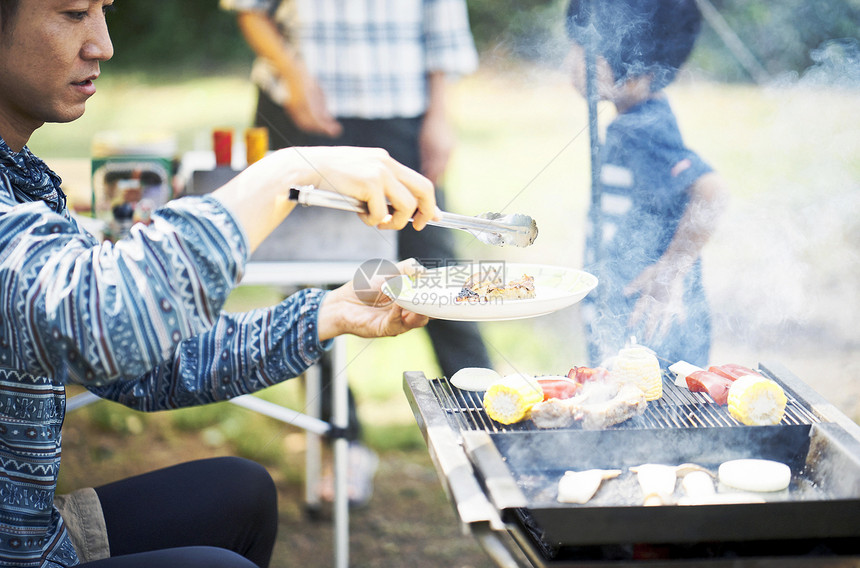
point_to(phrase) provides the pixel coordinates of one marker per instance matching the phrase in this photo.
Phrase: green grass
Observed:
(523, 146)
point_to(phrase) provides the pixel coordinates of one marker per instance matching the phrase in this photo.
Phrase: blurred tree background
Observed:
(790, 36)
(165, 35)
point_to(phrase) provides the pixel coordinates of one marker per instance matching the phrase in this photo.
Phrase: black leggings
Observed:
(214, 513)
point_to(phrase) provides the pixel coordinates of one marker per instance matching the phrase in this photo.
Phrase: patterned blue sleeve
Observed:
(241, 354)
(85, 312)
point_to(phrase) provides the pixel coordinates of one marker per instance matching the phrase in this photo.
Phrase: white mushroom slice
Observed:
(755, 475)
(474, 378)
(698, 485)
(657, 482)
(580, 486)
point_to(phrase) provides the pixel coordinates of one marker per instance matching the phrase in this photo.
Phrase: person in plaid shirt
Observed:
(368, 73)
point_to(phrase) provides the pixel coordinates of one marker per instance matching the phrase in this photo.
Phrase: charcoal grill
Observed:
(502, 481)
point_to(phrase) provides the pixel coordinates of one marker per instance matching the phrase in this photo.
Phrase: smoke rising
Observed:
(782, 273)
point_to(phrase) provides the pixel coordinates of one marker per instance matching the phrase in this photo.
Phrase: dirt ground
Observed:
(409, 522)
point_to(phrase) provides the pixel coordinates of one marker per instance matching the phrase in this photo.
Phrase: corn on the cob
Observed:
(756, 401)
(639, 366)
(511, 399)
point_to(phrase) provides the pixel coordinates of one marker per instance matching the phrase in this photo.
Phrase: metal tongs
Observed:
(491, 228)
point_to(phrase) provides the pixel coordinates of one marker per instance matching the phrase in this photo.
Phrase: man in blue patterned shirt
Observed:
(140, 321)
(369, 73)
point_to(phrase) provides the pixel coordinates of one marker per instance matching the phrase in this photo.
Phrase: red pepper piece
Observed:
(732, 371)
(717, 386)
(583, 375)
(558, 388)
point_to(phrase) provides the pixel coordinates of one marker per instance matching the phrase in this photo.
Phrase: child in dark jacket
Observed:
(659, 200)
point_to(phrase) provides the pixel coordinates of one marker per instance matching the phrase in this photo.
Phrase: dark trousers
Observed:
(214, 513)
(456, 344)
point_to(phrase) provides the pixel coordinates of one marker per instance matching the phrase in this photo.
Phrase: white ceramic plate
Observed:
(433, 293)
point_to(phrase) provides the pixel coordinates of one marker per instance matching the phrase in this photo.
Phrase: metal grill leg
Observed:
(340, 420)
(313, 454)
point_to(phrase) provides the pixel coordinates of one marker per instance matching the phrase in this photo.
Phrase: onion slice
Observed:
(474, 378)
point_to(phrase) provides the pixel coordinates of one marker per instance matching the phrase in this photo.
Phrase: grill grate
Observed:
(677, 408)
